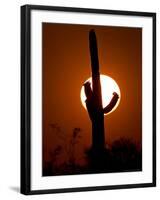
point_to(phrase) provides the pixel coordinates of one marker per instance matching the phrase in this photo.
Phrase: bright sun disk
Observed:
(108, 86)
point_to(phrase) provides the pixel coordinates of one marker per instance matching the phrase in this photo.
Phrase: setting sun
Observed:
(108, 86)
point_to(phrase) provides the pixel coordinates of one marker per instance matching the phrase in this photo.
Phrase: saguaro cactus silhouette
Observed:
(94, 98)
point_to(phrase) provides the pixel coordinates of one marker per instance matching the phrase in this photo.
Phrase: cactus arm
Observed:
(89, 100)
(88, 90)
(112, 103)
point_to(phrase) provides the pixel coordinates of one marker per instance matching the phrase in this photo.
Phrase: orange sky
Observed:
(66, 65)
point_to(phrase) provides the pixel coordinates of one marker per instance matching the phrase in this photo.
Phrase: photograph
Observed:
(92, 99)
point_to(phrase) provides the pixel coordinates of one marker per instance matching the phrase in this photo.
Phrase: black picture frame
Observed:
(26, 10)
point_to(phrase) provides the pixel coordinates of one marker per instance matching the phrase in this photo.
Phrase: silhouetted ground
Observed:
(123, 155)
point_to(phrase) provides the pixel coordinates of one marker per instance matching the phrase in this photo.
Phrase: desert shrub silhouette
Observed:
(69, 165)
(121, 156)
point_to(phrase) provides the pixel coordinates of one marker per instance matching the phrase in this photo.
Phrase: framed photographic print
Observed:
(88, 99)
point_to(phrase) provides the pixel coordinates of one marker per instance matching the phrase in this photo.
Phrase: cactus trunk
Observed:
(94, 99)
(98, 139)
